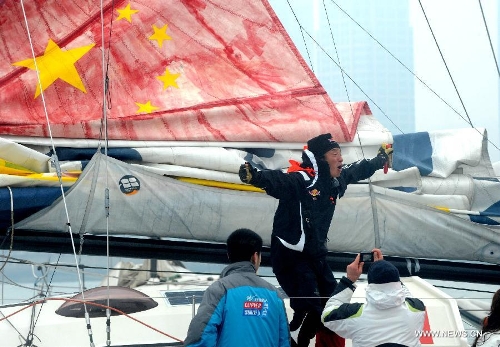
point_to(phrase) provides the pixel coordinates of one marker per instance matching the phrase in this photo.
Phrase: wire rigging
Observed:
(338, 59)
(445, 64)
(302, 33)
(409, 70)
(373, 201)
(344, 73)
(106, 100)
(352, 80)
(395, 58)
(49, 286)
(489, 38)
(54, 160)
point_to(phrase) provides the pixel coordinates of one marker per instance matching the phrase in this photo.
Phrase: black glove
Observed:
(247, 173)
(384, 152)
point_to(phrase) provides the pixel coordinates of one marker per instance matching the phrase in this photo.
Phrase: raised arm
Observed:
(276, 183)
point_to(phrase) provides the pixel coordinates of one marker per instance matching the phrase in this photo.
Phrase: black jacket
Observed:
(307, 199)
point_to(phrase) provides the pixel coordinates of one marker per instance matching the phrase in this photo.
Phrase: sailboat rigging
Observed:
(198, 170)
(140, 159)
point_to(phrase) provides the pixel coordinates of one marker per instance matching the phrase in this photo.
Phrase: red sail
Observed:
(178, 70)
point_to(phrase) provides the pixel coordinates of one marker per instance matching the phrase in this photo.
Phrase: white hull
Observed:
(167, 324)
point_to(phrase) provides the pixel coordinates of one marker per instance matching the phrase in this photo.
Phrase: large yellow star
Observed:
(169, 79)
(126, 13)
(160, 34)
(146, 108)
(56, 63)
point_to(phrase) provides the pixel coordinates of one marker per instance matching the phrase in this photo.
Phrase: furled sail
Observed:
(392, 212)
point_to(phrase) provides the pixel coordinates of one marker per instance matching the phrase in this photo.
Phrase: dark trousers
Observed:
(309, 282)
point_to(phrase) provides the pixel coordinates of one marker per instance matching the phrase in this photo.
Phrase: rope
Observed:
(402, 64)
(54, 157)
(105, 80)
(338, 58)
(84, 302)
(489, 38)
(444, 61)
(373, 201)
(303, 38)
(11, 230)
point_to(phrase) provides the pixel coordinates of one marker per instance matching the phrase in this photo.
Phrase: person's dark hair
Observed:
(242, 244)
(492, 322)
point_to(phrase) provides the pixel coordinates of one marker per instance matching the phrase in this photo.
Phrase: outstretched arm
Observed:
(276, 183)
(365, 168)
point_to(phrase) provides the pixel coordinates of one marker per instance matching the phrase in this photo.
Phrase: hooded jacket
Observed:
(307, 199)
(390, 315)
(240, 309)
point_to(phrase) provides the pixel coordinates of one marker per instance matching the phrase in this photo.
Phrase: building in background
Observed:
(405, 82)
(354, 49)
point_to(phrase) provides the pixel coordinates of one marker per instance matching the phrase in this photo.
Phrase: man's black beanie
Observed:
(321, 144)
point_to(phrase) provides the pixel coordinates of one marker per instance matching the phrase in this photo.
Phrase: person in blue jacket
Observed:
(240, 308)
(308, 195)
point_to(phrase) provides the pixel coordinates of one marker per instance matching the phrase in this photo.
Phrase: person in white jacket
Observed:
(390, 317)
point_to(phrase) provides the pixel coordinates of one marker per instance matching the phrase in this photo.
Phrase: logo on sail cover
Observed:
(129, 184)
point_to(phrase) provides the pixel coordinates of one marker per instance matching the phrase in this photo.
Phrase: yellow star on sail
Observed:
(160, 34)
(168, 79)
(57, 63)
(126, 13)
(146, 108)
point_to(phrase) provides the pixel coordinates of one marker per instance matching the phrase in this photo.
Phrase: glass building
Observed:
(353, 48)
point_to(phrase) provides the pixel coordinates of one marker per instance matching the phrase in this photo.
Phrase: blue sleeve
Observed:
(284, 332)
(205, 326)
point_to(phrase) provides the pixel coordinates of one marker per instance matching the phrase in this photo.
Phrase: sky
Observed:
(460, 32)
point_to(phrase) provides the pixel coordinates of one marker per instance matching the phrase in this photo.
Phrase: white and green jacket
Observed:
(390, 316)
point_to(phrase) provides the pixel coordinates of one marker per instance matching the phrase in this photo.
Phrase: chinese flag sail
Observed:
(178, 70)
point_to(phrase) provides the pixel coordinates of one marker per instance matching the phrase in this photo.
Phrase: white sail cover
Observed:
(402, 212)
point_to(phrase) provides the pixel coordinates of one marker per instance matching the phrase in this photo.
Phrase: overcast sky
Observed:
(461, 34)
